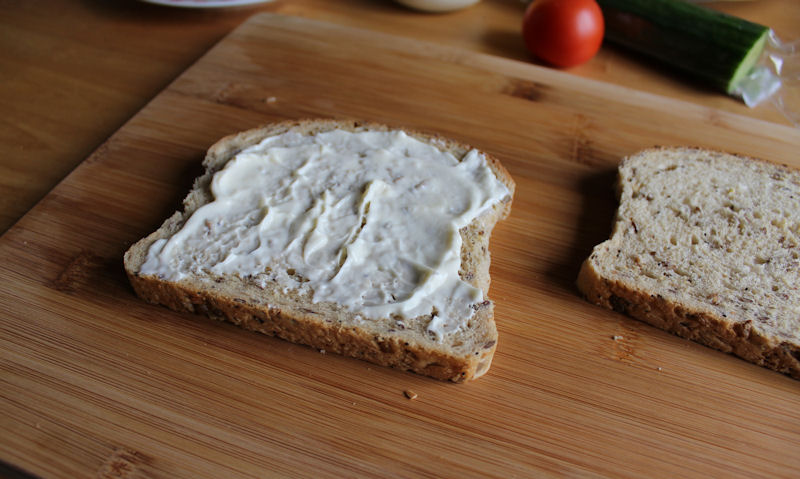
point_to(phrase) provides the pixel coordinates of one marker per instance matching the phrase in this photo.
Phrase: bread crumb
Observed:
(410, 394)
(616, 338)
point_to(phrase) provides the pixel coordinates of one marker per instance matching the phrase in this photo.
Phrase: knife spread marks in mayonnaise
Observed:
(368, 220)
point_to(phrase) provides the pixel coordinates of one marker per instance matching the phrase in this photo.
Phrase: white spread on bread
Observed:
(369, 220)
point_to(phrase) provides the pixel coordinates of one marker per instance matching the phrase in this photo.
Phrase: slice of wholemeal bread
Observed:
(706, 245)
(288, 295)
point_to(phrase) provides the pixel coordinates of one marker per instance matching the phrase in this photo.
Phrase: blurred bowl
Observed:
(437, 5)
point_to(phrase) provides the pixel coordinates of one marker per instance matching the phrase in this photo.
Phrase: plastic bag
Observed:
(776, 77)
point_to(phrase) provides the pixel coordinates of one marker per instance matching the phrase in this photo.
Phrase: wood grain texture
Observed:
(74, 71)
(94, 382)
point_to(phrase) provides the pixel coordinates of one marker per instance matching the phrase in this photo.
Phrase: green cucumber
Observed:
(716, 48)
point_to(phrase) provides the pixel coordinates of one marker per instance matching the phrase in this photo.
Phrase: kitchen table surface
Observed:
(106, 81)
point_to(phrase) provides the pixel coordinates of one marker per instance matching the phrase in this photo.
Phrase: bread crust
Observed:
(702, 326)
(739, 336)
(394, 348)
(311, 330)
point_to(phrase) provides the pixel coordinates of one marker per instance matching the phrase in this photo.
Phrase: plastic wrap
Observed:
(775, 78)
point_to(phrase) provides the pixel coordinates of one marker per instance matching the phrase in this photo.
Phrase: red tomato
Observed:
(564, 33)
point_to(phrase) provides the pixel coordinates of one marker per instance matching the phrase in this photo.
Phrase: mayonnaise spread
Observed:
(368, 220)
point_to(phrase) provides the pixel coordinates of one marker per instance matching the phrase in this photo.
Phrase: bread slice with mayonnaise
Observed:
(350, 237)
(706, 245)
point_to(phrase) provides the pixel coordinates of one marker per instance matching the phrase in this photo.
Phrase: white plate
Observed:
(205, 3)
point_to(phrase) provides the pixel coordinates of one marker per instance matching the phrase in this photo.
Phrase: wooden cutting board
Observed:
(95, 383)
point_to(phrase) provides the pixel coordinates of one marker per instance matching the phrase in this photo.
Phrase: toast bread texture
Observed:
(705, 245)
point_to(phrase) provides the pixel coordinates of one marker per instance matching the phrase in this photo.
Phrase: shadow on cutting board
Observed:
(593, 226)
(8, 471)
